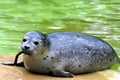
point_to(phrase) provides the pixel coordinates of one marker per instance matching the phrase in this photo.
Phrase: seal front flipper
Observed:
(61, 73)
(8, 63)
(21, 64)
(16, 57)
(15, 61)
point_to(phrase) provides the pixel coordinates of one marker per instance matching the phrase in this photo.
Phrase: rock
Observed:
(20, 73)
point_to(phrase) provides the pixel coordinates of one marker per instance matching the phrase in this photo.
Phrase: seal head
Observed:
(32, 40)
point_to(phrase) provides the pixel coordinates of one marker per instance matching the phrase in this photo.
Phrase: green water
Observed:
(95, 17)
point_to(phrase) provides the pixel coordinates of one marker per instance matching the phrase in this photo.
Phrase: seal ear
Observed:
(44, 37)
(46, 41)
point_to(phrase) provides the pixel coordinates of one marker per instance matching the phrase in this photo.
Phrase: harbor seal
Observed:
(65, 54)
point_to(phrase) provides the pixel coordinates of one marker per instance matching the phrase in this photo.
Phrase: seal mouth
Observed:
(27, 52)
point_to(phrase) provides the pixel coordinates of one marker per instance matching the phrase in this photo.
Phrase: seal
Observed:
(65, 54)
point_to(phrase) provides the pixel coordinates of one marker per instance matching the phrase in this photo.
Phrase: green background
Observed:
(100, 18)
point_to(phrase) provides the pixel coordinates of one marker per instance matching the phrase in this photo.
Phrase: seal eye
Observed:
(36, 43)
(24, 40)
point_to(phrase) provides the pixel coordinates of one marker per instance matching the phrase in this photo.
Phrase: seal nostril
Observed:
(26, 47)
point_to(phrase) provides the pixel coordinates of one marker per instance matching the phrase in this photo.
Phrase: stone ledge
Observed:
(20, 73)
